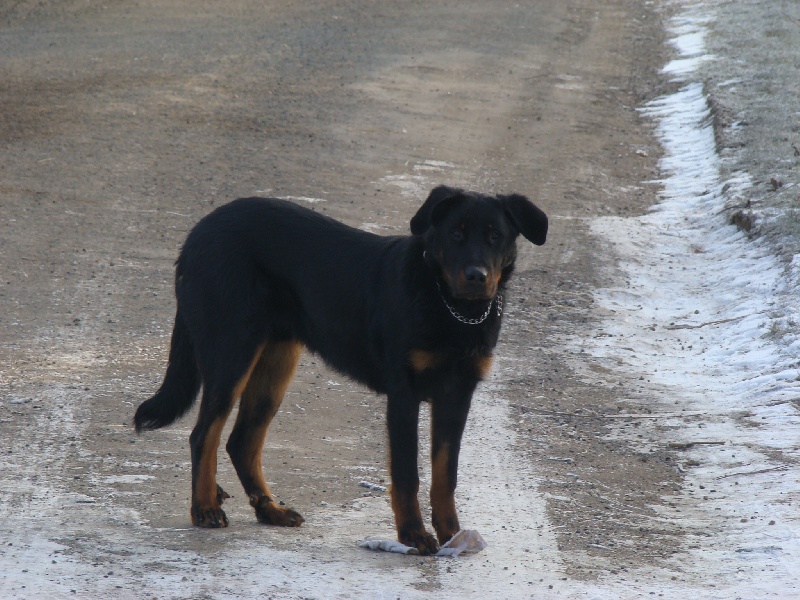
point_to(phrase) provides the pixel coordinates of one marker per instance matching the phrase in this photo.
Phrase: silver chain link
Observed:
(479, 320)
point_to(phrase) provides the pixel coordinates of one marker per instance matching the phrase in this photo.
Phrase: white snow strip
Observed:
(689, 30)
(695, 317)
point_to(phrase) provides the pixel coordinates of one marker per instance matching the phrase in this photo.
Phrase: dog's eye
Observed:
(457, 234)
(494, 236)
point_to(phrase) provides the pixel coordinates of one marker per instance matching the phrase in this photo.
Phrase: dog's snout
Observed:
(476, 274)
(474, 283)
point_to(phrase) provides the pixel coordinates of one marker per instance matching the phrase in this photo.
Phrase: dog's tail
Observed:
(179, 389)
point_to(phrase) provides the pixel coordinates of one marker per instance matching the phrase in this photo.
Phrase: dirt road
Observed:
(121, 124)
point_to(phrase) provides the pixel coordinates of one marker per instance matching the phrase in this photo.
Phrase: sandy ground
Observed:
(122, 124)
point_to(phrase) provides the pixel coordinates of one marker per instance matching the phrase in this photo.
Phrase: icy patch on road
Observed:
(411, 186)
(308, 199)
(417, 184)
(105, 550)
(697, 320)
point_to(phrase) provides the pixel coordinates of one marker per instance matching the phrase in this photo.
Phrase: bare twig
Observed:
(687, 445)
(679, 415)
(759, 472)
(705, 324)
(553, 413)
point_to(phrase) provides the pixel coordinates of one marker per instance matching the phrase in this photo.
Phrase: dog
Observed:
(413, 317)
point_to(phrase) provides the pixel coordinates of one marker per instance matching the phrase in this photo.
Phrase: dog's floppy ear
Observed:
(529, 220)
(434, 207)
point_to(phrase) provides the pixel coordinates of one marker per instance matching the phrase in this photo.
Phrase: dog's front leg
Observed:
(402, 422)
(448, 418)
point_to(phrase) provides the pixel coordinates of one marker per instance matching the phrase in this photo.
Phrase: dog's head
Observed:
(471, 237)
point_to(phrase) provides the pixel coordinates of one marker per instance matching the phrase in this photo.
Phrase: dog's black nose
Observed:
(475, 274)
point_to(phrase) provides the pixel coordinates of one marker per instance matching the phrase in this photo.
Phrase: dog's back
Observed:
(286, 272)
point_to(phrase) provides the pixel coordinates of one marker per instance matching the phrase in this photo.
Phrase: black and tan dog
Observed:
(414, 317)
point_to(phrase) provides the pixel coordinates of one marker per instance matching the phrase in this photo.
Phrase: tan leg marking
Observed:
(260, 402)
(443, 503)
(207, 495)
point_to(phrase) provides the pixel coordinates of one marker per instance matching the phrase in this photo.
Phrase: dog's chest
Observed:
(438, 361)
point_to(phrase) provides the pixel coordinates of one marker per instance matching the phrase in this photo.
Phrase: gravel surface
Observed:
(122, 124)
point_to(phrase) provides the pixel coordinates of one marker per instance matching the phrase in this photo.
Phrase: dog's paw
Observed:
(209, 517)
(445, 534)
(271, 513)
(446, 527)
(421, 540)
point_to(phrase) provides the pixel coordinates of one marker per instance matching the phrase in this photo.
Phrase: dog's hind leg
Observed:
(261, 399)
(223, 382)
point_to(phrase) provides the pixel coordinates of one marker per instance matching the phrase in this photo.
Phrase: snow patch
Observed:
(695, 317)
(689, 30)
(413, 186)
(417, 185)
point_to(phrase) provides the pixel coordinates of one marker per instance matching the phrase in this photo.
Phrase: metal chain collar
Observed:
(479, 320)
